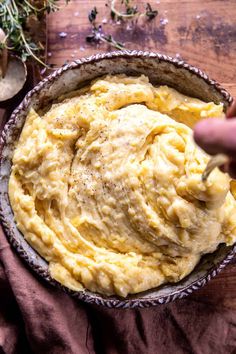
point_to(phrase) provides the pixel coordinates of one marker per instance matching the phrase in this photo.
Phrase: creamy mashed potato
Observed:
(107, 187)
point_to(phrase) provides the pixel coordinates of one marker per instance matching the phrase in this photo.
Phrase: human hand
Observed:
(217, 136)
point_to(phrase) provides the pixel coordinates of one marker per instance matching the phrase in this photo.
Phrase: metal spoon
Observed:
(219, 159)
(215, 161)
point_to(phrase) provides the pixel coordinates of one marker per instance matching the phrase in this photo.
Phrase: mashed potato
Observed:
(107, 187)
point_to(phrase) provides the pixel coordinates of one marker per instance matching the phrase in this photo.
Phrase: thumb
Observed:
(216, 136)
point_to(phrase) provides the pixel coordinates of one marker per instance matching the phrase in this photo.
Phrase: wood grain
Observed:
(202, 32)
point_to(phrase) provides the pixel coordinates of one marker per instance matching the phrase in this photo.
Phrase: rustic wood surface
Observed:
(202, 32)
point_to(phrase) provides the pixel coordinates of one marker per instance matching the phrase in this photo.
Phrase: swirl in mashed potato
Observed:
(107, 187)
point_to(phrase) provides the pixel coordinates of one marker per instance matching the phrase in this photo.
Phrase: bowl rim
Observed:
(85, 295)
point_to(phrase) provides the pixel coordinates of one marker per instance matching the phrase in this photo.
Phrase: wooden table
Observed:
(202, 32)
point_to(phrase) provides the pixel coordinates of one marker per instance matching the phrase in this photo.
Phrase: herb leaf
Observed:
(20, 20)
(97, 36)
(129, 12)
(92, 15)
(150, 13)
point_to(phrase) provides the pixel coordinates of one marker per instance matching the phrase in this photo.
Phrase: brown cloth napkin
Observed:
(37, 318)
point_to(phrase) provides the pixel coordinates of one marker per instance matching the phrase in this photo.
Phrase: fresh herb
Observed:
(20, 20)
(131, 11)
(97, 35)
(92, 15)
(150, 13)
(109, 39)
(113, 15)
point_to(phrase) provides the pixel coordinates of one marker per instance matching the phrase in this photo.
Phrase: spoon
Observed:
(219, 159)
(215, 161)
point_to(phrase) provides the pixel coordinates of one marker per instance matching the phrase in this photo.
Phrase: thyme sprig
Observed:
(97, 35)
(131, 11)
(14, 21)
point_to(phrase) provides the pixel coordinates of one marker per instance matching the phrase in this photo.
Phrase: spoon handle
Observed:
(215, 161)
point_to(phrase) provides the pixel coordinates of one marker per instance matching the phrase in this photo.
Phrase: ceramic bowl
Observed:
(160, 69)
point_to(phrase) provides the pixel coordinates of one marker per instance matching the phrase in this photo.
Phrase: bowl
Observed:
(161, 69)
(13, 81)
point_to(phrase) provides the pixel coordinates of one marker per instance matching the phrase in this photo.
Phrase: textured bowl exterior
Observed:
(161, 69)
(7, 101)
